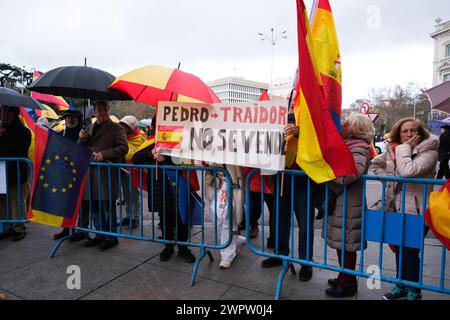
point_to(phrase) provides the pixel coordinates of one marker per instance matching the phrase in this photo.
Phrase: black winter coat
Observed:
(158, 196)
(14, 143)
(444, 146)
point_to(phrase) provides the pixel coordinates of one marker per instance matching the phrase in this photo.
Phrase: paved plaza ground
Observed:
(132, 271)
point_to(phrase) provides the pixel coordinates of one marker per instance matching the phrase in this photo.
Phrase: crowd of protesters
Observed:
(412, 152)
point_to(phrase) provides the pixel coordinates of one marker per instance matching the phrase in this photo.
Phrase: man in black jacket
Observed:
(444, 153)
(15, 139)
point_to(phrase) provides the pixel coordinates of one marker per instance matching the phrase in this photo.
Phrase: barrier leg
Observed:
(58, 244)
(286, 266)
(60, 241)
(203, 253)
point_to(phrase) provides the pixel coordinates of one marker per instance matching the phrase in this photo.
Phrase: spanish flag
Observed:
(437, 216)
(169, 137)
(322, 152)
(326, 50)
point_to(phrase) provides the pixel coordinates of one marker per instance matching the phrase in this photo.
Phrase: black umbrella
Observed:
(80, 82)
(12, 98)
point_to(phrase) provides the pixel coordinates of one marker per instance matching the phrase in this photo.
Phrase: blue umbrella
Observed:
(12, 98)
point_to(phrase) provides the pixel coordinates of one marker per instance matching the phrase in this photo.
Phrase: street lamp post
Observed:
(273, 41)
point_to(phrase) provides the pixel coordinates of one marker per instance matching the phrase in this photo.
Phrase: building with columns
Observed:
(441, 65)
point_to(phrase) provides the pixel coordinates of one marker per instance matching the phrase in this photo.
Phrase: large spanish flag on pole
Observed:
(437, 216)
(322, 153)
(328, 57)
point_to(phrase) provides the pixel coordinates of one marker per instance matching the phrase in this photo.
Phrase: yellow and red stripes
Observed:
(151, 84)
(437, 216)
(322, 153)
(326, 49)
(169, 137)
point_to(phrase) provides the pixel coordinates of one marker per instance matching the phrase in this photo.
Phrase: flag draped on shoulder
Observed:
(139, 176)
(437, 216)
(60, 172)
(322, 153)
(328, 57)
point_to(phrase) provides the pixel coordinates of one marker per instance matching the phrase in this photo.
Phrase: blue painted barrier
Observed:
(381, 226)
(174, 186)
(16, 195)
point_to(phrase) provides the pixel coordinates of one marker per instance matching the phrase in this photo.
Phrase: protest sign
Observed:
(243, 134)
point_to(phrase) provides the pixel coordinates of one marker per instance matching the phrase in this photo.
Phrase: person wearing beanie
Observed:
(73, 124)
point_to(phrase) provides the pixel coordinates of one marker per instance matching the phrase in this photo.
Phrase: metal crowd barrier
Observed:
(12, 209)
(379, 226)
(111, 177)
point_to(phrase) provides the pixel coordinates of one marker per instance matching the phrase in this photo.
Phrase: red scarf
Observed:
(394, 145)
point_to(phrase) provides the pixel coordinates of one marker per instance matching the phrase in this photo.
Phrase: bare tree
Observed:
(395, 103)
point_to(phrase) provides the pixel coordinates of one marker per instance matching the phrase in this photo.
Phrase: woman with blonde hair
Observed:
(412, 153)
(358, 133)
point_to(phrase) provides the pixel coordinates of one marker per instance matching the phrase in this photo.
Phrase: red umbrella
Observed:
(151, 84)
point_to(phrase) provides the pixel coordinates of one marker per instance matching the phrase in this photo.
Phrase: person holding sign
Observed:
(15, 139)
(163, 201)
(300, 208)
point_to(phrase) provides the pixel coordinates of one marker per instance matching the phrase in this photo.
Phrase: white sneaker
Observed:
(225, 264)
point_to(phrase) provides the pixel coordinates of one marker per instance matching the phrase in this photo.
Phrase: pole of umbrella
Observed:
(156, 161)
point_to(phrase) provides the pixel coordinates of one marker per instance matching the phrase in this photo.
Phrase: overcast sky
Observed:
(382, 42)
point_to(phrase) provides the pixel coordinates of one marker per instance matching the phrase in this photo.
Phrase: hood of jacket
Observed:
(432, 143)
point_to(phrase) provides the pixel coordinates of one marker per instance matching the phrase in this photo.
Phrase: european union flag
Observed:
(60, 171)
